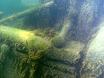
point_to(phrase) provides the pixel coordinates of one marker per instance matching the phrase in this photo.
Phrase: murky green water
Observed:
(51, 38)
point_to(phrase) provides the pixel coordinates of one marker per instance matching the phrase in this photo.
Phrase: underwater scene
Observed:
(51, 38)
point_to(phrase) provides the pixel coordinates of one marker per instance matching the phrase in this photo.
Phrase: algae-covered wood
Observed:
(23, 50)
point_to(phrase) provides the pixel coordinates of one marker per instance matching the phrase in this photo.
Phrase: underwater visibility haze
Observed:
(51, 38)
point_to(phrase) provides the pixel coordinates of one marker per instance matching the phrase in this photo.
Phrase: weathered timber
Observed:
(23, 51)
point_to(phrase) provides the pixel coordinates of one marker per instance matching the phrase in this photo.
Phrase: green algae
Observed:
(26, 49)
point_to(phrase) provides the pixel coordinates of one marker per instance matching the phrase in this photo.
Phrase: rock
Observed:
(60, 63)
(93, 66)
(58, 42)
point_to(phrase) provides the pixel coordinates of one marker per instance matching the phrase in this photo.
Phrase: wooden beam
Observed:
(26, 12)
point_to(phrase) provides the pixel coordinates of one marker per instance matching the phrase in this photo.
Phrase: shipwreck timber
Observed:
(24, 49)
